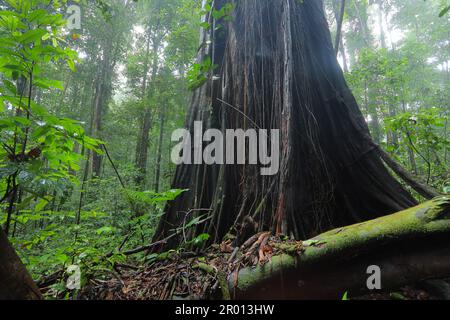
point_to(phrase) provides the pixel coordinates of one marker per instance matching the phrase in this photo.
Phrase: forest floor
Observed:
(175, 275)
(184, 275)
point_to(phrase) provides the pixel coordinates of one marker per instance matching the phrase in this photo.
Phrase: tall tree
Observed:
(276, 65)
(107, 33)
(339, 14)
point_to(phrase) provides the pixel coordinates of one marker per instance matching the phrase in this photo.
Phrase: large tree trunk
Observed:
(15, 281)
(277, 65)
(409, 247)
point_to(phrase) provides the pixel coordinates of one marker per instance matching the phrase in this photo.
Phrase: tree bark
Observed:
(142, 146)
(102, 95)
(409, 247)
(162, 118)
(146, 124)
(15, 281)
(277, 66)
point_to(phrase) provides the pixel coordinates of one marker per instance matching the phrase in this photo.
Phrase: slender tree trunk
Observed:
(143, 142)
(96, 122)
(277, 65)
(340, 35)
(162, 118)
(344, 56)
(372, 111)
(145, 122)
(409, 149)
(393, 136)
(367, 37)
(412, 159)
(143, 145)
(339, 22)
(102, 94)
(362, 37)
(380, 23)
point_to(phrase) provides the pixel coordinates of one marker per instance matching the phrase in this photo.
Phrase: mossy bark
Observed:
(409, 246)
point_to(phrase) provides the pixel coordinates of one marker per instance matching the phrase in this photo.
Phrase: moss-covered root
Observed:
(221, 278)
(428, 219)
(344, 248)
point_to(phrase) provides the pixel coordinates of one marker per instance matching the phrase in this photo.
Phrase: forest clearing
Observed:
(224, 150)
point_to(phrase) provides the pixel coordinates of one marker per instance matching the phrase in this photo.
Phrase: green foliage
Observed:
(422, 129)
(38, 146)
(153, 198)
(200, 240)
(223, 13)
(446, 189)
(401, 94)
(196, 243)
(199, 73)
(444, 11)
(58, 241)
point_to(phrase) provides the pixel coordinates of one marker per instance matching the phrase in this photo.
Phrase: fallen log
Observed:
(409, 247)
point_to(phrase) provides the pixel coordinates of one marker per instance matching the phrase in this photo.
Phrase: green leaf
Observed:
(8, 13)
(194, 222)
(71, 65)
(21, 120)
(205, 25)
(201, 239)
(15, 4)
(397, 296)
(62, 258)
(444, 11)
(13, 67)
(105, 230)
(47, 83)
(37, 14)
(10, 86)
(32, 36)
(41, 204)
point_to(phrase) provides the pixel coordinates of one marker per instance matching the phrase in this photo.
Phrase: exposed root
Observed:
(200, 277)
